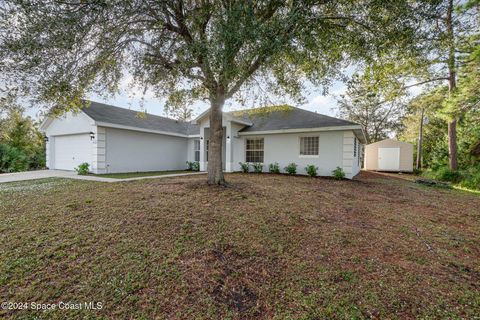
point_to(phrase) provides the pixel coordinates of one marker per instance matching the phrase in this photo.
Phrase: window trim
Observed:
(263, 150)
(308, 156)
(195, 150)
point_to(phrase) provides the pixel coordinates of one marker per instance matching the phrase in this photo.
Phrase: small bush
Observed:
(257, 167)
(417, 171)
(274, 167)
(83, 169)
(193, 166)
(469, 178)
(245, 167)
(311, 170)
(196, 166)
(338, 173)
(12, 159)
(445, 174)
(291, 168)
(471, 181)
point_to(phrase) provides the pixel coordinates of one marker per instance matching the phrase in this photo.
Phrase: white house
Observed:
(113, 139)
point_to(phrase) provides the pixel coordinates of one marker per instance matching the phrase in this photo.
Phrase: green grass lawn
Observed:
(127, 175)
(266, 247)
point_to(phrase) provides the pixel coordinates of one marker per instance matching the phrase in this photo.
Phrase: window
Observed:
(309, 146)
(206, 149)
(196, 149)
(254, 150)
(354, 147)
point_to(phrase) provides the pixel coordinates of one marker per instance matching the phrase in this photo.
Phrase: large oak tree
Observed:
(58, 51)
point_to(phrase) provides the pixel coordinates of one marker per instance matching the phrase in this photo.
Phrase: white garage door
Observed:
(389, 159)
(72, 150)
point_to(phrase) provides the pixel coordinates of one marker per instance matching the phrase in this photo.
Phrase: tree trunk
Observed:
(452, 145)
(452, 128)
(215, 167)
(420, 142)
(452, 85)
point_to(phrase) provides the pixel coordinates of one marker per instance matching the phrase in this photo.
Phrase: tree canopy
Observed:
(187, 50)
(61, 50)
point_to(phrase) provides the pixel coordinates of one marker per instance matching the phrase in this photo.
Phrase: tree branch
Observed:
(182, 30)
(426, 81)
(250, 71)
(348, 18)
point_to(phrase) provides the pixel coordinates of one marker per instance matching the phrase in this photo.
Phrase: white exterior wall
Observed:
(285, 148)
(70, 123)
(238, 147)
(351, 165)
(191, 149)
(99, 150)
(131, 151)
(335, 149)
(203, 138)
(356, 164)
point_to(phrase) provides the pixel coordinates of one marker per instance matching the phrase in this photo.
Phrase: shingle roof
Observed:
(286, 117)
(125, 117)
(262, 119)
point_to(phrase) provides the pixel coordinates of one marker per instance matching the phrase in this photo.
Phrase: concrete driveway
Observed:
(41, 174)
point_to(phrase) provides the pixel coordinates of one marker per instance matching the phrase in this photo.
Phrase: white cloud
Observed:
(325, 104)
(321, 104)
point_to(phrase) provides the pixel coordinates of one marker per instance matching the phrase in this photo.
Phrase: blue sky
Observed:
(131, 97)
(315, 101)
(127, 98)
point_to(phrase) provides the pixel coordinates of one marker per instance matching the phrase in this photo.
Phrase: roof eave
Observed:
(246, 123)
(300, 130)
(45, 124)
(201, 116)
(119, 126)
(360, 133)
(232, 119)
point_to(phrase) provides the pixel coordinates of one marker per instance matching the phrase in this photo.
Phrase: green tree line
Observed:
(22, 145)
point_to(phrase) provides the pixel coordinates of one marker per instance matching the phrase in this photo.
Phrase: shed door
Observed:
(389, 159)
(72, 150)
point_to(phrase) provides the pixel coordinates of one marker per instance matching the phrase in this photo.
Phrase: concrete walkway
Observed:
(43, 174)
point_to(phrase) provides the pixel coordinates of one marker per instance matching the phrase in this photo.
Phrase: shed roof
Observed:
(389, 140)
